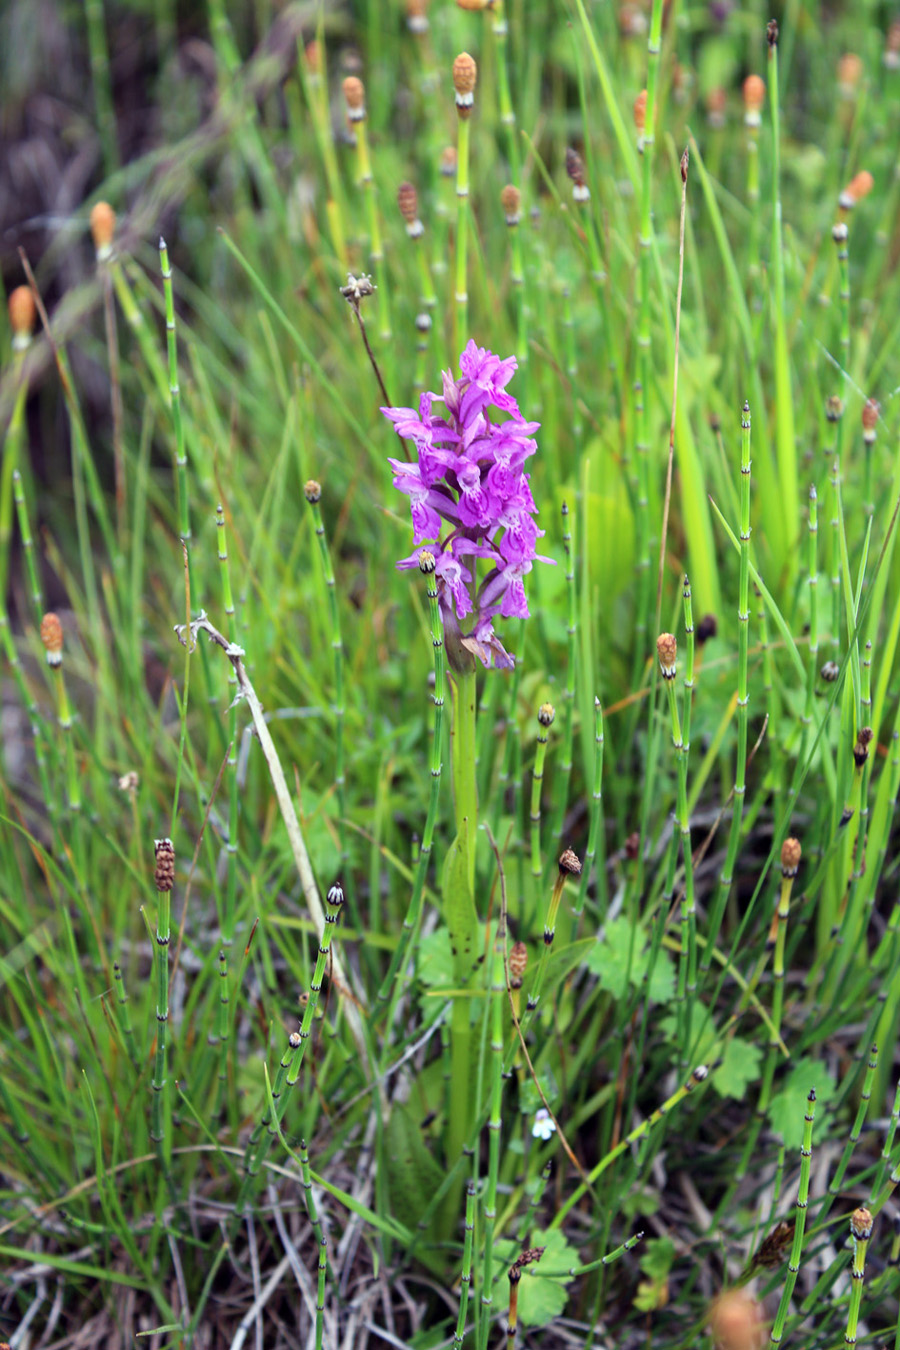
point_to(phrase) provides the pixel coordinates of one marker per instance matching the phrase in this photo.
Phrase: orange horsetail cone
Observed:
(667, 652)
(511, 201)
(417, 16)
(870, 415)
(474, 4)
(355, 98)
(640, 112)
(22, 314)
(103, 228)
(465, 76)
(735, 1320)
(52, 638)
(859, 186)
(861, 1222)
(790, 857)
(849, 73)
(754, 98)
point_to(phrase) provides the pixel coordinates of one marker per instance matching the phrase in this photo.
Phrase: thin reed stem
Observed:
(793, 1269)
(546, 714)
(315, 1221)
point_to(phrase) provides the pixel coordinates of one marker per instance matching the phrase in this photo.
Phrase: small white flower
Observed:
(544, 1125)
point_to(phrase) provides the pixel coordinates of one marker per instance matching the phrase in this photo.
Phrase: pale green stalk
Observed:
(498, 990)
(376, 247)
(517, 277)
(313, 494)
(786, 450)
(231, 845)
(11, 445)
(159, 1115)
(568, 866)
(546, 714)
(184, 514)
(465, 803)
(752, 123)
(124, 1018)
(607, 1260)
(414, 909)
(500, 30)
(561, 782)
(865, 1097)
(37, 596)
(461, 294)
(100, 78)
(465, 1279)
(321, 1241)
(512, 751)
(813, 583)
(772, 1058)
(860, 1231)
(884, 1162)
(221, 1034)
(800, 1221)
(596, 836)
(740, 783)
(687, 963)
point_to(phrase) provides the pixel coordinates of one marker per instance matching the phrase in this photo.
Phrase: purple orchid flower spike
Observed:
(469, 476)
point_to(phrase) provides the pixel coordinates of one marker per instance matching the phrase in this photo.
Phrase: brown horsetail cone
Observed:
(870, 414)
(575, 169)
(790, 857)
(640, 112)
(546, 714)
(891, 56)
(772, 33)
(103, 227)
(474, 4)
(754, 93)
(834, 408)
(448, 161)
(312, 53)
(164, 872)
(859, 186)
(569, 863)
(667, 651)
(736, 1321)
(22, 312)
(355, 98)
(52, 638)
(707, 628)
(518, 960)
(417, 16)
(408, 202)
(849, 73)
(465, 75)
(861, 1224)
(312, 491)
(511, 201)
(861, 748)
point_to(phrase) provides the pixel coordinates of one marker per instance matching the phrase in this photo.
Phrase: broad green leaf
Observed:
(459, 908)
(657, 1258)
(540, 1299)
(739, 1067)
(413, 1174)
(622, 958)
(788, 1107)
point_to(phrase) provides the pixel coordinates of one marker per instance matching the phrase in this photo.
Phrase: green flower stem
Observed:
(268, 1128)
(231, 845)
(321, 1241)
(498, 991)
(376, 247)
(860, 1231)
(561, 783)
(800, 1221)
(465, 1279)
(546, 713)
(184, 513)
(699, 1075)
(414, 909)
(461, 295)
(786, 451)
(11, 443)
(606, 1260)
(596, 836)
(37, 596)
(465, 797)
(862, 1109)
(124, 1018)
(740, 783)
(313, 495)
(687, 965)
(500, 30)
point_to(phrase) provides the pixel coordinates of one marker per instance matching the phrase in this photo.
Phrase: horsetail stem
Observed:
(222, 1032)
(861, 1112)
(98, 51)
(414, 909)
(124, 1017)
(313, 493)
(465, 1279)
(667, 652)
(52, 638)
(740, 784)
(602, 1261)
(500, 31)
(498, 989)
(514, 1275)
(581, 196)
(465, 75)
(315, 1222)
(561, 784)
(546, 714)
(36, 722)
(511, 202)
(800, 1221)
(786, 451)
(268, 1129)
(754, 97)
(37, 597)
(813, 584)
(184, 514)
(529, 1217)
(164, 880)
(687, 602)
(860, 1231)
(569, 866)
(870, 414)
(596, 836)
(884, 1161)
(790, 864)
(355, 96)
(408, 202)
(698, 1076)
(231, 845)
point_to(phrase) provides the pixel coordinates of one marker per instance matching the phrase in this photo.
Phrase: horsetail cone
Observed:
(518, 961)
(164, 871)
(870, 414)
(546, 714)
(22, 313)
(790, 857)
(640, 112)
(754, 98)
(465, 76)
(417, 16)
(355, 98)
(859, 187)
(52, 638)
(427, 563)
(511, 201)
(861, 1224)
(569, 864)
(667, 652)
(861, 748)
(575, 169)
(103, 228)
(408, 202)
(312, 491)
(736, 1320)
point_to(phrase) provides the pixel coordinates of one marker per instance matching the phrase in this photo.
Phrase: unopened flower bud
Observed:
(569, 864)
(861, 1224)
(408, 202)
(859, 186)
(834, 408)
(772, 33)
(849, 73)
(575, 169)
(640, 112)
(870, 414)
(839, 234)
(667, 651)
(312, 491)
(790, 857)
(426, 562)
(21, 315)
(861, 748)
(511, 201)
(754, 98)
(335, 896)
(164, 871)
(52, 638)
(355, 98)
(465, 74)
(716, 102)
(518, 960)
(128, 781)
(416, 16)
(546, 714)
(448, 161)
(294, 1040)
(830, 671)
(891, 56)
(103, 227)
(735, 1320)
